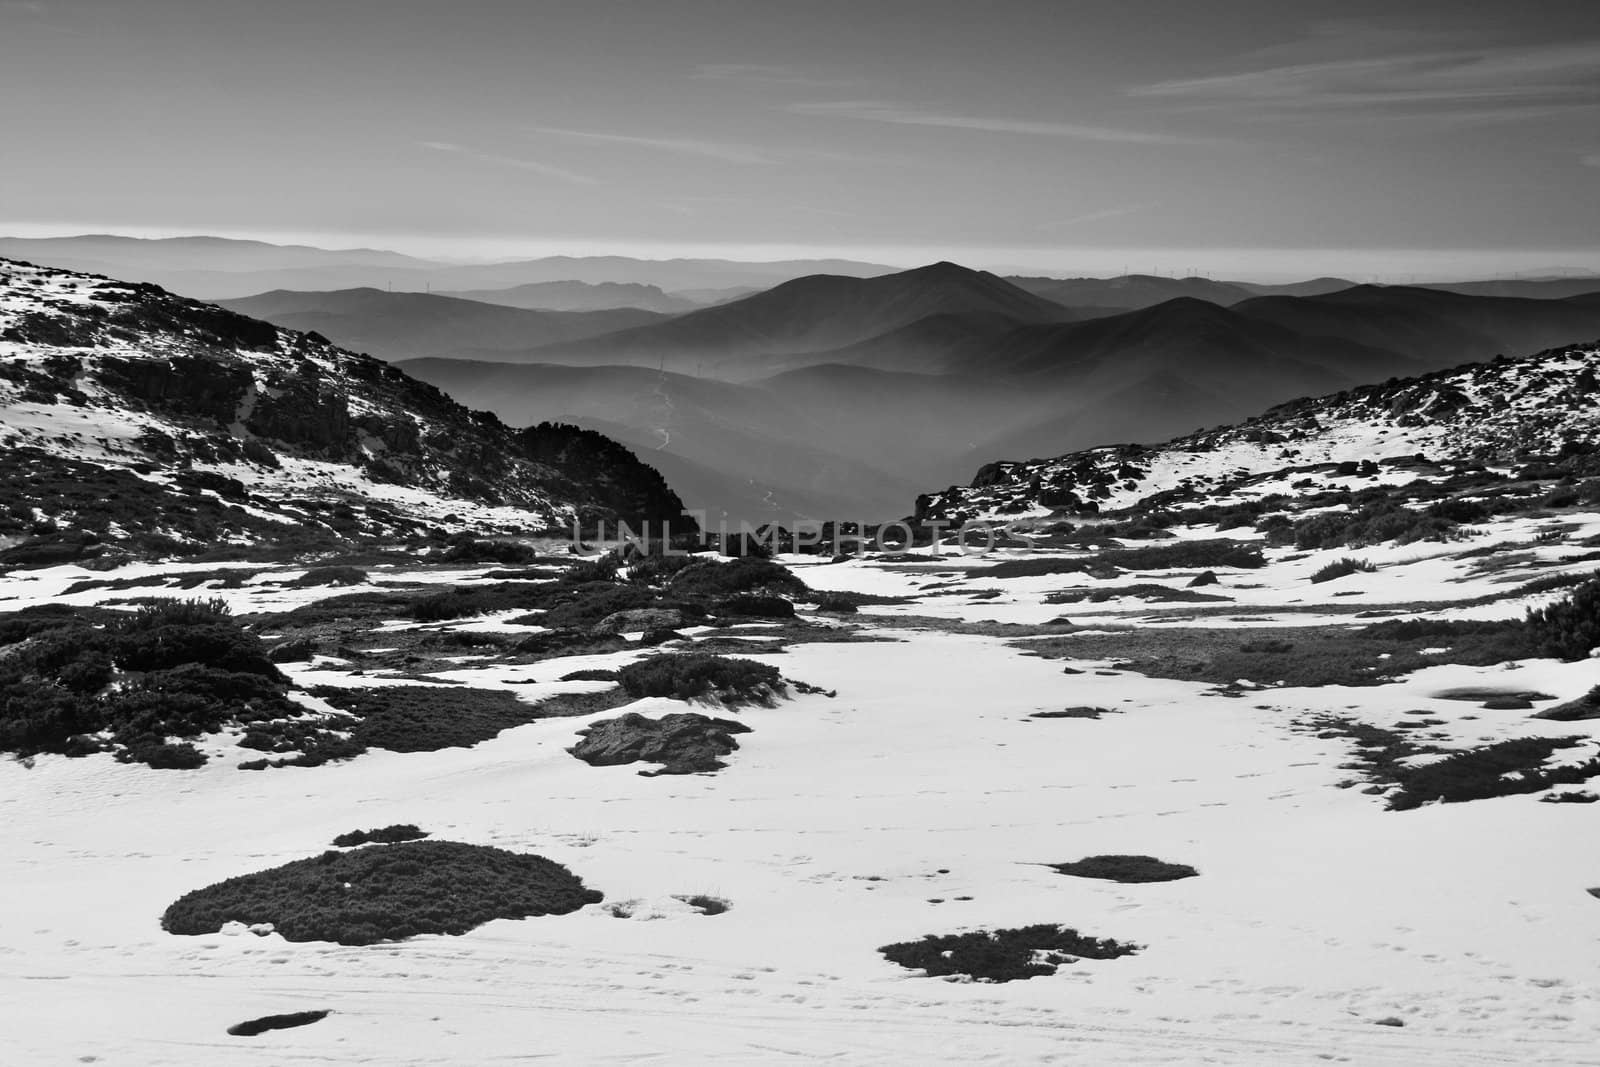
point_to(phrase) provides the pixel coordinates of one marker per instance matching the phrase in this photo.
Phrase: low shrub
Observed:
(1003, 955)
(746, 574)
(696, 676)
(375, 894)
(1502, 769)
(288, 1021)
(322, 576)
(1569, 629)
(755, 607)
(1341, 568)
(1132, 869)
(387, 835)
(426, 718)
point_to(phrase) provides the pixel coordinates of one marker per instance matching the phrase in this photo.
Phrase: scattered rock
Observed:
(683, 743)
(637, 620)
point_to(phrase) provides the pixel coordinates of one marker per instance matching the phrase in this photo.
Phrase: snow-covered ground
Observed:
(922, 799)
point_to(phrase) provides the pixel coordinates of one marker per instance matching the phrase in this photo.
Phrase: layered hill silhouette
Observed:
(743, 338)
(992, 372)
(411, 325)
(214, 268)
(582, 296)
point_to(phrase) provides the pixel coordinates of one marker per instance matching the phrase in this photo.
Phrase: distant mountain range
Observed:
(584, 296)
(837, 393)
(943, 369)
(213, 268)
(413, 325)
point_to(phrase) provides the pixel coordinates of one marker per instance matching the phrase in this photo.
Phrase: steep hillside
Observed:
(413, 325)
(730, 449)
(134, 416)
(1501, 414)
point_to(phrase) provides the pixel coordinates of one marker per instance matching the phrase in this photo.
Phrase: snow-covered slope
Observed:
(125, 410)
(1504, 412)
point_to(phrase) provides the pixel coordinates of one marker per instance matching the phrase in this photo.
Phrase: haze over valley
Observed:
(889, 532)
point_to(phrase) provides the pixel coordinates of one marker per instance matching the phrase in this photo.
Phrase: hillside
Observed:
(1438, 328)
(734, 450)
(1505, 412)
(411, 325)
(133, 416)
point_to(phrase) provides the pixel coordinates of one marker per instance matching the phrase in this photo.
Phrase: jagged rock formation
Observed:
(222, 427)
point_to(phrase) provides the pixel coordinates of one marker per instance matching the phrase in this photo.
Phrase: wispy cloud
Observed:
(1096, 216)
(719, 150)
(531, 165)
(1591, 160)
(899, 114)
(1459, 83)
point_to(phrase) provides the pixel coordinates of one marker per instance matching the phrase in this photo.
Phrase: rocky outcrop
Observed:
(683, 743)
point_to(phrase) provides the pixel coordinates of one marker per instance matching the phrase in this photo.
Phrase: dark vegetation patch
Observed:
(1140, 591)
(1342, 568)
(323, 576)
(746, 574)
(1182, 554)
(695, 676)
(386, 835)
(1114, 868)
(1293, 656)
(256, 1027)
(1335, 655)
(384, 893)
(1571, 796)
(1582, 709)
(1003, 955)
(1072, 713)
(413, 718)
(683, 743)
(1389, 759)
(1502, 769)
(590, 675)
(143, 685)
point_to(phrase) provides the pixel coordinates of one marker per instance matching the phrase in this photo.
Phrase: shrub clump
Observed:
(746, 574)
(387, 835)
(1502, 769)
(728, 680)
(385, 893)
(1003, 955)
(1569, 629)
(1132, 869)
(1341, 568)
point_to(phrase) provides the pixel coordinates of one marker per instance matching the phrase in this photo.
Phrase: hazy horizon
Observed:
(1251, 139)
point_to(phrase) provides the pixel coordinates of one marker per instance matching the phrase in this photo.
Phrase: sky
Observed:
(1247, 138)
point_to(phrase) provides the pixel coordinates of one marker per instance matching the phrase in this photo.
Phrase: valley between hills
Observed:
(1254, 719)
